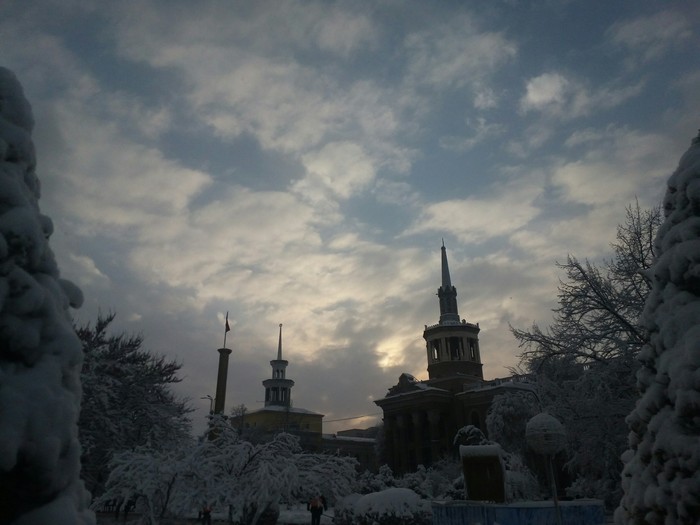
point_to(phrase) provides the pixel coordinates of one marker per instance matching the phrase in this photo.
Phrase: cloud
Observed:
(482, 130)
(557, 96)
(339, 169)
(84, 268)
(544, 91)
(116, 183)
(456, 54)
(478, 219)
(639, 162)
(651, 37)
(342, 32)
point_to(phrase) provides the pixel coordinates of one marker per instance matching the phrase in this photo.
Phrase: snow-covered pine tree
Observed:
(128, 401)
(661, 477)
(40, 355)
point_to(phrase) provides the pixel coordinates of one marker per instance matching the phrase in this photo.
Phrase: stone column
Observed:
(417, 419)
(400, 444)
(434, 420)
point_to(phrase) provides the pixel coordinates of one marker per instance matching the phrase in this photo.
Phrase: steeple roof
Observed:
(279, 345)
(447, 293)
(446, 281)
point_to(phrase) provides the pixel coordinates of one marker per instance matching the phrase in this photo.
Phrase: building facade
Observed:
(421, 418)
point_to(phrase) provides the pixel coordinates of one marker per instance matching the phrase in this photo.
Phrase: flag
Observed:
(228, 328)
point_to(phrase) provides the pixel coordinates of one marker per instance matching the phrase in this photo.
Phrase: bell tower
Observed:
(452, 344)
(278, 389)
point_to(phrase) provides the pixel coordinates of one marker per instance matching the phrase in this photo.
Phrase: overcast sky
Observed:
(300, 163)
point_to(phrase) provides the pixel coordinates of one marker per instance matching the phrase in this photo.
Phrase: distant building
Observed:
(358, 443)
(421, 418)
(278, 414)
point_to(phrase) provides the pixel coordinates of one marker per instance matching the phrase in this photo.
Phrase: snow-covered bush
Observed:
(660, 479)
(393, 506)
(40, 354)
(227, 472)
(435, 482)
(371, 482)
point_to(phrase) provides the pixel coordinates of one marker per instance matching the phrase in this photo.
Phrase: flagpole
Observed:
(226, 329)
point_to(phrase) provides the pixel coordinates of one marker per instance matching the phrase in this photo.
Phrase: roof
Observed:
(279, 408)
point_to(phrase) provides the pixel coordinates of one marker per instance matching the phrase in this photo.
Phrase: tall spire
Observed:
(279, 345)
(446, 282)
(447, 293)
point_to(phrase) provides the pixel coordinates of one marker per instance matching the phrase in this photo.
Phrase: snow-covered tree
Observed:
(155, 480)
(127, 400)
(40, 354)
(585, 361)
(661, 477)
(227, 473)
(599, 305)
(507, 417)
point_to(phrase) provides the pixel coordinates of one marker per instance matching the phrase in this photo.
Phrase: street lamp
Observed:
(546, 436)
(211, 403)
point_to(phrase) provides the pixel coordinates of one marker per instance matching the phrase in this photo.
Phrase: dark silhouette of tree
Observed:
(127, 399)
(585, 361)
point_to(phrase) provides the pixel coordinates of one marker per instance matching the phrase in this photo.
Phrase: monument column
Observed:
(220, 398)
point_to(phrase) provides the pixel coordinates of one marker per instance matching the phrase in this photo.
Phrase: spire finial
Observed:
(446, 281)
(279, 345)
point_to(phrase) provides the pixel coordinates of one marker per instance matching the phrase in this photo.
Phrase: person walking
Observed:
(315, 506)
(206, 514)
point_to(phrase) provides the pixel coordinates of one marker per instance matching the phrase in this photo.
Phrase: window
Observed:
(435, 347)
(456, 348)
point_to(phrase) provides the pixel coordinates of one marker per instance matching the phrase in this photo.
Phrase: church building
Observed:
(421, 418)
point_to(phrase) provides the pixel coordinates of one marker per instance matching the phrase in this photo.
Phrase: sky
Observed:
(301, 162)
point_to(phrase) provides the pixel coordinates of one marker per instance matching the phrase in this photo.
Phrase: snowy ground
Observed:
(297, 515)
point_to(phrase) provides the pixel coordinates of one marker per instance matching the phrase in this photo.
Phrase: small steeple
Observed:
(278, 389)
(279, 345)
(447, 293)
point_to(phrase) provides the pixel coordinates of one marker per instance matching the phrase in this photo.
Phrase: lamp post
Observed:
(546, 436)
